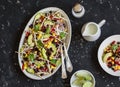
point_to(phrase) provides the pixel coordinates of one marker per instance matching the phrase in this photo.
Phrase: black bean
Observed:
(45, 14)
(25, 59)
(38, 59)
(41, 74)
(118, 42)
(59, 56)
(52, 71)
(50, 12)
(36, 70)
(31, 26)
(109, 64)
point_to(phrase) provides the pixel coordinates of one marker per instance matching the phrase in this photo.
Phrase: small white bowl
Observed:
(81, 71)
(103, 45)
(79, 15)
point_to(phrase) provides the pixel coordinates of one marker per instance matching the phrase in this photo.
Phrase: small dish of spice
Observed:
(78, 10)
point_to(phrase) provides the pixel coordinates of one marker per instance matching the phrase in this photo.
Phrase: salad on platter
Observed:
(40, 52)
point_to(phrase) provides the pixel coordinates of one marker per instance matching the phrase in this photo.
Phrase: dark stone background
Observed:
(14, 15)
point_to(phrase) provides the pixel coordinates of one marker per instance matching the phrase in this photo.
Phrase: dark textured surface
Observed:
(14, 15)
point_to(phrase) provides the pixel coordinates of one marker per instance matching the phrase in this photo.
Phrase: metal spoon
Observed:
(64, 74)
(69, 65)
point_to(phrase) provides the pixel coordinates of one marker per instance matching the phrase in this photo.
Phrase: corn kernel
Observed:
(49, 44)
(51, 40)
(54, 34)
(39, 36)
(112, 58)
(25, 65)
(112, 62)
(35, 52)
(45, 45)
(51, 58)
(118, 67)
(115, 67)
(26, 55)
(53, 67)
(38, 66)
(55, 40)
(40, 54)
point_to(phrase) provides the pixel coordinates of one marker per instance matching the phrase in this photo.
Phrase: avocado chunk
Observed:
(87, 84)
(39, 44)
(54, 50)
(78, 82)
(106, 56)
(29, 41)
(58, 62)
(37, 27)
(48, 22)
(37, 16)
(47, 30)
(44, 53)
(84, 75)
(46, 36)
(39, 63)
(30, 70)
(53, 61)
(31, 56)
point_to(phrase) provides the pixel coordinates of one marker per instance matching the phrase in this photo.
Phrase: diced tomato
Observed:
(51, 16)
(45, 69)
(41, 18)
(27, 34)
(118, 50)
(109, 58)
(113, 42)
(109, 64)
(46, 40)
(51, 37)
(115, 70)
(56, 19)
(52, 30)
(117, 61)
(43, 29)
(23, 66)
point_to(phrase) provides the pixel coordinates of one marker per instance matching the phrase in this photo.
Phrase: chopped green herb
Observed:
(115, 46)
(48, 30)
(36, 27)
(53, 61)
(39, 43)
(31, 57)
(62, 35)
(30, 70)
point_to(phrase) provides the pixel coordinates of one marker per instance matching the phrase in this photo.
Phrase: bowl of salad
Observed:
(39, 52)
(109, 55)
(82, 78)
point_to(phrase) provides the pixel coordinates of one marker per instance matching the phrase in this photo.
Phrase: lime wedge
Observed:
(78, 82)
(84, 75)
(87, 84)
